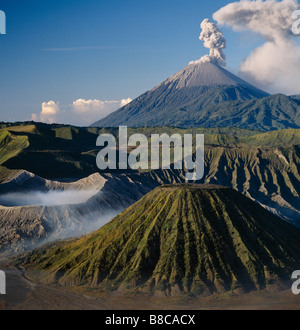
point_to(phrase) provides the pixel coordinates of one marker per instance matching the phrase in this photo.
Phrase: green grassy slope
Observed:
(11, 145)
(50, 151)
(177, 239)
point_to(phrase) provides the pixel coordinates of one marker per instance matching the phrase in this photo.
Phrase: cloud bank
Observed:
(80, 113)
(275, 65)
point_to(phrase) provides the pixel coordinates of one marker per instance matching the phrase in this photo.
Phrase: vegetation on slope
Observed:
(11, 145)
(177, 239)
(222, 106)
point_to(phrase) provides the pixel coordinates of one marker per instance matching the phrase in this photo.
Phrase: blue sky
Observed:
(100, 49)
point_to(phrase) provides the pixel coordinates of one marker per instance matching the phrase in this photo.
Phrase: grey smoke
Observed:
(275, 65)
(213, 40)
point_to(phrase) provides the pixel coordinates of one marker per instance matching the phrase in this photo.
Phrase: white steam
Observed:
(87, 224)
(50, 198)
(70, 214)
(213, 40)
(275, 65)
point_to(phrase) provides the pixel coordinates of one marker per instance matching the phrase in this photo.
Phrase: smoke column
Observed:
(213, 40)
(275, 65)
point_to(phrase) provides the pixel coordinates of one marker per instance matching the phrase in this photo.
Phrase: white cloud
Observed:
(275, 65)
(125, 102)
(94, 108)
(89, 111)
(81, 112)
(49, 113)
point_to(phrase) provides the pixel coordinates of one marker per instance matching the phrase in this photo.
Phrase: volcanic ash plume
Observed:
(213, 40)
(275, 65)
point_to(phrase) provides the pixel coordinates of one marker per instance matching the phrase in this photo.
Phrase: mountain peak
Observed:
(185, 95)
(204, 73)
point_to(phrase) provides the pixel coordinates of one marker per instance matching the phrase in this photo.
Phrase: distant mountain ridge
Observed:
(207, 95)
(263, 166)
(273, 112)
